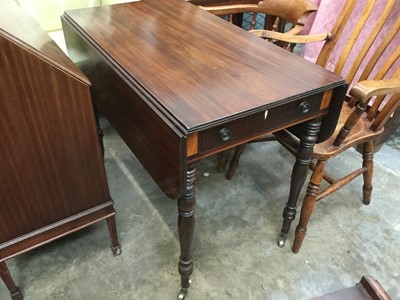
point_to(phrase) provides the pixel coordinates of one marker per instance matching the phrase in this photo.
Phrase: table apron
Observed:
(258, 124)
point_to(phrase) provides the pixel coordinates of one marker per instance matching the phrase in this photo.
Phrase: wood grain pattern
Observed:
(25, 31)
(45, 152)
(158, 145)
(262, 123)
(185, 84)
(205, 72)
(169, 75)
(52, 179)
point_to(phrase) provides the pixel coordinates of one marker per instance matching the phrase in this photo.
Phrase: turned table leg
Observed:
(6, 277)
(112, 229)
(186, 223)
(303, 157)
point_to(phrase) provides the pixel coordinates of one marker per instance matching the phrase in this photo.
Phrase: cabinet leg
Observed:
(112, 229)
(186, 224)
(299, 174)
(6, 277)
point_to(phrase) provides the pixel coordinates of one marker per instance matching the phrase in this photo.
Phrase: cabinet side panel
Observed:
(51, 164)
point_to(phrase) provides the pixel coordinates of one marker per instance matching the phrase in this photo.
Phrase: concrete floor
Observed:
(235, 251)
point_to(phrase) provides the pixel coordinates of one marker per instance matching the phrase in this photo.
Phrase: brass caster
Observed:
(16, 294)
(182, 294)
(116, 250)
(281, 241)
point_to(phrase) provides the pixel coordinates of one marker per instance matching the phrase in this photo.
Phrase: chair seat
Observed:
(360, 133)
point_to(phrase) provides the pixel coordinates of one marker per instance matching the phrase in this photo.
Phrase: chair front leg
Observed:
(222, 160)
(235, 161)
(368, 164)
(308, 204)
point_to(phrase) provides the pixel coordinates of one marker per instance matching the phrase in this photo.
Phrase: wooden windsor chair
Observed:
(370, 103)
(362, 121)
(277, 13)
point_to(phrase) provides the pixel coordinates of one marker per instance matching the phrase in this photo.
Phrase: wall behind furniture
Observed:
(48, 12)
(109, 2)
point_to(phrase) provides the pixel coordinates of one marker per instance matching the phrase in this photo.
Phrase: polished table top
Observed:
(197, 68)
(193, 70)
(179, 84)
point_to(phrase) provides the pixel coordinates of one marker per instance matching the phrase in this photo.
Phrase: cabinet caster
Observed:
(182, 294)
(116, 250)
(16, 294)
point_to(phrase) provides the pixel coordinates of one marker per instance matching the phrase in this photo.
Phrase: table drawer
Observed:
(259, 123)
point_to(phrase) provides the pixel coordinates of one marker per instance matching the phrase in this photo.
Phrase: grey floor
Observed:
(235, 251)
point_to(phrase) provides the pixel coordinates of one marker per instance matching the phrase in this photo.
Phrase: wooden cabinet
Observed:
(52, 179)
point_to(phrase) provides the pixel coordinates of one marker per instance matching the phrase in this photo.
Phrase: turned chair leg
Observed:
(6, 277)
(308, 204)
(368, 164)
(235, 161)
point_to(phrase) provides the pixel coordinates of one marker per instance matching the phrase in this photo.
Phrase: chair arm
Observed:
(291, 38)
(365, 90)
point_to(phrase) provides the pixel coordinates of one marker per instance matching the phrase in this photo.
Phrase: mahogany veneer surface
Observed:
(179, 84)
(165, 70)
(197, 68)
(52, 178)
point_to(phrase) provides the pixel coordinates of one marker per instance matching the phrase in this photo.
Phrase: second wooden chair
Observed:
(370, 104)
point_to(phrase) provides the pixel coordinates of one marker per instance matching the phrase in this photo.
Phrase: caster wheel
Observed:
(16, 294)
(116, 250)
(182, 294)
(281, 241)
